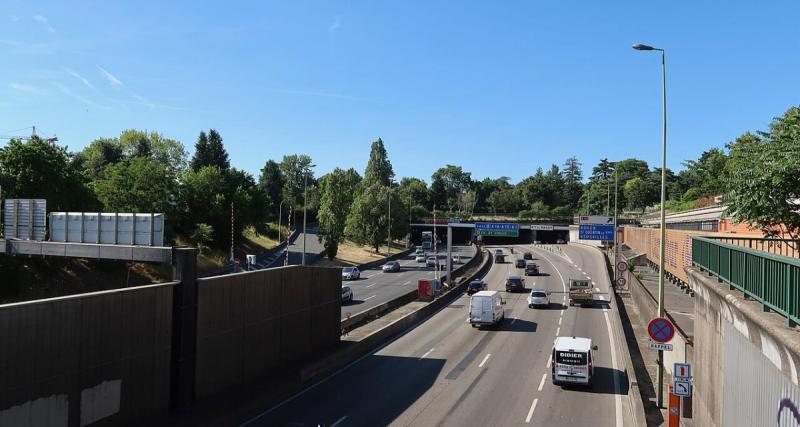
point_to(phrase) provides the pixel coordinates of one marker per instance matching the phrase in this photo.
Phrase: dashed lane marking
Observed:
(483, 362)
(541, 383)
(530, 412)
(426, 354)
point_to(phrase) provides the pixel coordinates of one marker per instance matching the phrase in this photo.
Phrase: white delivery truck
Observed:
(486, 309)
(573, 361)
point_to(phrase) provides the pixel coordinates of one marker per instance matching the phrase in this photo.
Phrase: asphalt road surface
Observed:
(444, 372)
(376, 287)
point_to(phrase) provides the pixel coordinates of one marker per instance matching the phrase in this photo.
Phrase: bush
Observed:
(202, 235)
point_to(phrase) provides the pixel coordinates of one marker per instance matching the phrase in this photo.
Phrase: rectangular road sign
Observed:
(542, 227)
(681, 371)
(682, 388)
(658, 346)
(596, 219)
(497, 229)
(596, 232)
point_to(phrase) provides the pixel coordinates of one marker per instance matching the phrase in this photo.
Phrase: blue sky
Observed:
(496, 87)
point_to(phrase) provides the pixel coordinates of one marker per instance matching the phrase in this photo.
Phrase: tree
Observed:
(168, 152)
(98, 155)
(271, 182)
(201, 153)
(447, 184)
(483, 189)
(414, 192)
(209, 151)
(139, 184)
(572, 187)
(379, 169)
(603, 170)
(337, 198)
(203, 200)
(42, 169)
(297, 172)
(368, 221)
(708, 173)
(636, 193)
(507, 200)
(764, 178)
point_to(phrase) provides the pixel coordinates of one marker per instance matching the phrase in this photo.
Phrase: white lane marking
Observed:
(595, 284)
(426, 353)
(407, 283)
(530, 412)
(549, 359)
(369, 286)
(541, 383)
(339, 421)
(596, 289)
(558, 330)
(617, 397)
(559, 321)
(488, 355)
(589, 277)
(369, 298)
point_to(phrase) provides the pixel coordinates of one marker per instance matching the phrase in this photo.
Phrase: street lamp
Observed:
(661, 261)
(280, 218)
(305, 208)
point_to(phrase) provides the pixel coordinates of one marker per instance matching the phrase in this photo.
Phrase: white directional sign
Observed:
(682, 371)
(596, 219)
(542, 227)
(682, 388)
(659, 346)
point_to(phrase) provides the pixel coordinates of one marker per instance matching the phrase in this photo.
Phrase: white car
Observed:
(456, 259)
(420, 258)
(431, 261)
(539, 298)
(351, 273)
(347, 294)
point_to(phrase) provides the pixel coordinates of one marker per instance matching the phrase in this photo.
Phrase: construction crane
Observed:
(28, 138)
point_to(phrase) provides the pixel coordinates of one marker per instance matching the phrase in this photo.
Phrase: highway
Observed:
(444, 372)
(376, 287)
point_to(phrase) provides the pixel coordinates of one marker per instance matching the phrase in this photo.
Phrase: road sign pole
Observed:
(674, 413)
(449, 253)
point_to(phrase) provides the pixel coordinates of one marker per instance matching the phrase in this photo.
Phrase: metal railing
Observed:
(773, 280)
(786, 247)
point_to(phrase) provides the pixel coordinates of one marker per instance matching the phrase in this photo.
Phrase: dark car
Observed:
(519, 263)
(476, 286)
(515, 284)
(531, 269)
(527, 256)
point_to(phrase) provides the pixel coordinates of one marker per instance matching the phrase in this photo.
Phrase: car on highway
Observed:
(519, 263)
(486, 309)
(531, 269)
(419, 251)
(351, 273)
(539, 298)
(527, 256)
(561, 242)
(420, 257)
(432, 261)
(573, 361)
(391, 267)
(476, 286)
(456, 259)
(498, 252)
(347, 294)
(515, 283)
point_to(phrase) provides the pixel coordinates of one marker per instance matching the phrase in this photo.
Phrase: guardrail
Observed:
(785, 247)
(772, 280)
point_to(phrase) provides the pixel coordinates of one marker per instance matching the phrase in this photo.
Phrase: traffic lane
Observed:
(376, 287)
(600, 404)
(359, 392)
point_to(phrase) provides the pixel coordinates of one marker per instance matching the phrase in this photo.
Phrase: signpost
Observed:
(596, 227)
(497, 229)
(682, 388)
(661, 330)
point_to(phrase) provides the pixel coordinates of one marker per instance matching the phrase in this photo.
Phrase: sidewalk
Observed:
(679, 305)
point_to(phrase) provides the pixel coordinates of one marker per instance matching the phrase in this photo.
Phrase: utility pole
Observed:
(608, 196)
(389, 228)
(616, 249)
(233, 259)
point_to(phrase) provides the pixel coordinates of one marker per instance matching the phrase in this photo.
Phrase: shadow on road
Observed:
(353, 302)
(604, 381)
(516, 325)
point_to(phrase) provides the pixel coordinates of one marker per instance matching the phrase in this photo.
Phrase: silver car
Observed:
(539, 298)
(350, 273)
(391, 267)
(347, 294)
(420, 258)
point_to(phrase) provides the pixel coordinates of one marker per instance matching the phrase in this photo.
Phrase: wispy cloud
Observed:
(66, 91)
(317, 93)
(27, 88)
(111, 78)
(13, 18)
(335, 25)
(83, 80)
(44, 21)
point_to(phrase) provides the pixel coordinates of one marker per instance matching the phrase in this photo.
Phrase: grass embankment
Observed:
(253, 243)
(354, 254)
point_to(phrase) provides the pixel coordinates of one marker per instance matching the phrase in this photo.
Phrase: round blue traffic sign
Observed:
(661, 330)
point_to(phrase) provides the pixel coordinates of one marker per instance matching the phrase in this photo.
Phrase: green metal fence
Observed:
(773, 280)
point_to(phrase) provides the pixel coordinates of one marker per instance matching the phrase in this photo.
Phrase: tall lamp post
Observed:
(638, 46)
(305, 208)
(280, 218)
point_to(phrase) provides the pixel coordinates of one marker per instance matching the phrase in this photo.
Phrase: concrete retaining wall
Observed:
(746, 361)
(100, 357)
(252, 323)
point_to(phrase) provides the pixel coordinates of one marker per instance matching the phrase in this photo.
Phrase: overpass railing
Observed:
(772, 280)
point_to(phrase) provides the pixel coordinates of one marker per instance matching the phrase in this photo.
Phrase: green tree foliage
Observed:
(764, 177)
(98, 155)
(506, 200)
(202, 235)
(42, 169)
(296, 170)
(379, 169)
(368, 221)
(603, 170)
(271, 182)
(336, 200)
(209, 151)
(708, 173)
(637, 192)
(138, 184)
(483, 189)
(572, 182)
(447, 184)
(414, 191)
(201, 153)
(153, 145)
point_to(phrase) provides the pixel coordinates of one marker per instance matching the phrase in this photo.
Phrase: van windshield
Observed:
(570, 358)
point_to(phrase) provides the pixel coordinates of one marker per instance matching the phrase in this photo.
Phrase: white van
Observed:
(486, 308)
(573, 361)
